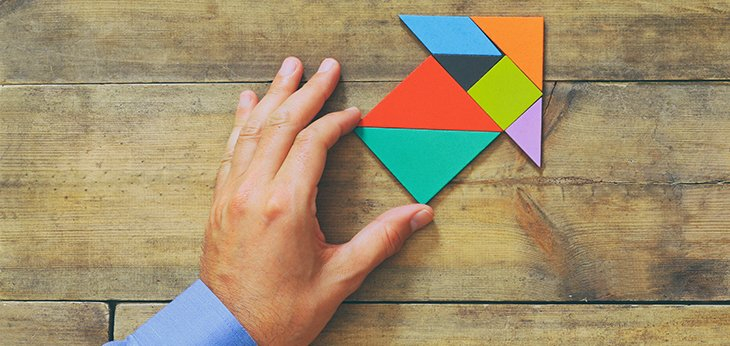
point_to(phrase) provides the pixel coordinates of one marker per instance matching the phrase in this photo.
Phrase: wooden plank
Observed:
(53, 323)
(105, 194)
(479, 324)
(594, 132)
(129, 316)
(131, 41)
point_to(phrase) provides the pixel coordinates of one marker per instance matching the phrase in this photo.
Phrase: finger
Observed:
(284, 84)
(246, 103)
(292, 116)
(305, 163)
(384, 237)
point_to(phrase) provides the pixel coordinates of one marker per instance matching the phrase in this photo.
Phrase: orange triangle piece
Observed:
(521, 39)
(429, 98)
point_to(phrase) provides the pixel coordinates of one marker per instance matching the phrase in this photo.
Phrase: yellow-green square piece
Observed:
(505, 92)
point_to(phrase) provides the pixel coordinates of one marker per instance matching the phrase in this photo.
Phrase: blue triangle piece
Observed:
(450, 35)
(424, 161)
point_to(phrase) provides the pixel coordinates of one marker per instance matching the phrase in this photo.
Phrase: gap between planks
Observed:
(225, 82)
(113, 303)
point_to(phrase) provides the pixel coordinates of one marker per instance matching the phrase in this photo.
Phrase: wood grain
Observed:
(106, 188)
(205, 40)
(53, 323)
(479, 324)
(129, 316)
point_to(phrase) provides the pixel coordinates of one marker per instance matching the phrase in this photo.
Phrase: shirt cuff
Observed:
(195, 317)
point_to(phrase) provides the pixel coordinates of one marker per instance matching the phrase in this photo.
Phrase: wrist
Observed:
(248, 316)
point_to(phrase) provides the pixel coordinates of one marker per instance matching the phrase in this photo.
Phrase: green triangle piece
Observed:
(424, 161)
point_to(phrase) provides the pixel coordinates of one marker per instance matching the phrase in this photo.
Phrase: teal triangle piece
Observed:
(424, 161)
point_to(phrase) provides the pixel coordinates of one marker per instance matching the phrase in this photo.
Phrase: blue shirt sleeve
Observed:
(195, 317)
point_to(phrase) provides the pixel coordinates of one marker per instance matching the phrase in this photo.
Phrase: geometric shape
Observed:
(526, 132)
(521, 39)
(424, 161)
(505, 92)
(429, 98)
(467, 69)
(450, 35)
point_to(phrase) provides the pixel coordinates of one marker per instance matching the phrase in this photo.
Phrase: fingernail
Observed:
(422, 218)
(288, 66)
(244, 100)
(353, 110)
(327, 64)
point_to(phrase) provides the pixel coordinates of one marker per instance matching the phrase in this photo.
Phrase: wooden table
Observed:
(113, 116)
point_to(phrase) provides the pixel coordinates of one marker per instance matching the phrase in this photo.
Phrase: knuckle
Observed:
(307, 138)
(238, 204)
(226, 159)
(249, 132)
(240, 201)
(392, 239)
(278, 89)
(278, 204)
(279, 117)
(319, 87)
(320, 82)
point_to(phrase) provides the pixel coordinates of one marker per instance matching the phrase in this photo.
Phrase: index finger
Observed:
(305, 163)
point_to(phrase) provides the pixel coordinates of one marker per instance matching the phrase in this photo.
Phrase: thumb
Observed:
(385, 236)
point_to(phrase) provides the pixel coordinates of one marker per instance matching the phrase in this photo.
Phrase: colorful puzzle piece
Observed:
(505, 92)
(526, 131)
(424, 161)
(521, 39)
(467, 69)
(459, 99)
(450, 35)
(429, 99)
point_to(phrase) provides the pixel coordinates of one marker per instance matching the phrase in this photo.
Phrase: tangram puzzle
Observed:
(483, 77)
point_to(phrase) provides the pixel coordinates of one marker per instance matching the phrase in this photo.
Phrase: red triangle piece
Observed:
(429, 98)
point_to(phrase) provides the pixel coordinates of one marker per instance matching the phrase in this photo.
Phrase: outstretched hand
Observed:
(264, 255)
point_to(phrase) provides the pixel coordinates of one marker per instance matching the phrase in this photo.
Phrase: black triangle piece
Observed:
(467, 69)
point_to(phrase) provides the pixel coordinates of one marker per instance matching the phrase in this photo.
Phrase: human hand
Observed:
(264, 255)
